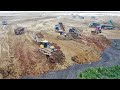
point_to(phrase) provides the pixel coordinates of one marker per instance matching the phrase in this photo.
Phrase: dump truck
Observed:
(19, 30)
(4, 22)
(60, 28)
(93, 17)
(94, 24)
(107, 26)
(38, 37)
(51, 50)
(81, 17)
(72, 34)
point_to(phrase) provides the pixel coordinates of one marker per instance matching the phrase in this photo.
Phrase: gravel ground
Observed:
(110, 57)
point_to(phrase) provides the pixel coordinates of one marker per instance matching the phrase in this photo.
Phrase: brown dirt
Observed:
(98, 43)
(21, 57)
(84, 50)
(32, 62)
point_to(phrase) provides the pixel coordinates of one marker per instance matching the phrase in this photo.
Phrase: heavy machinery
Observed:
(81, 17)
(4, 22)
(59, 28)
(97, 30)
(72, 34)
(19, 30)
(110, 22)
(94, 24)
(107, 26)
(38, 37)
(51, 50)
(93, 17)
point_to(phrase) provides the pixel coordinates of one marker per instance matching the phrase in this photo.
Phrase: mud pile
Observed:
(96, 45)
(99, 40)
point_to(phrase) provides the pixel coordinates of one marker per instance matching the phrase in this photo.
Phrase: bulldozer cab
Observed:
(44, 43)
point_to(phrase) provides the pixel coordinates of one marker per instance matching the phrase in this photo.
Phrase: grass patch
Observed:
(101, 73)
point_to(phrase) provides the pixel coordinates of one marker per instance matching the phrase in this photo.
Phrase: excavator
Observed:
(98, 29)
(51, 50)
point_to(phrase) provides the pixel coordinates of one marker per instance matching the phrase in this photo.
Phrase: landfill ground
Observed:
(20, 58)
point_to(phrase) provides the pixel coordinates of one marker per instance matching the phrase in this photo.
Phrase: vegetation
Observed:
(101, 73)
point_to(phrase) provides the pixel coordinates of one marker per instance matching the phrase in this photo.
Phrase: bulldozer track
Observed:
(45, 51)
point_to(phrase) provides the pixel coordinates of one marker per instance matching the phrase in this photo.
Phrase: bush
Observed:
(101, 73)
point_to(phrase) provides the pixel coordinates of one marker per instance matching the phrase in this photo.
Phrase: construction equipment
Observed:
(19, 30)
(60, 28)
(97, 30)
(107, 26)
(110, 22)
(93, 17)
(38, 37)
(72, 34)
(51, 50)
(81, 17)
(94, 24)
(4, 22)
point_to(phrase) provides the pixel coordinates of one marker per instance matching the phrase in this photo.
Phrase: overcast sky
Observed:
(35, 13)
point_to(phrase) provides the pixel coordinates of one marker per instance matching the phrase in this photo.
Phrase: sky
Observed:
(38, 13)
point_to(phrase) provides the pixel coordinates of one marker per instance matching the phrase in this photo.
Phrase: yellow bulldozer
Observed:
(51, 50)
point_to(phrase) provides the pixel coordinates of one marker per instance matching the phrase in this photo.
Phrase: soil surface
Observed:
(110, 57)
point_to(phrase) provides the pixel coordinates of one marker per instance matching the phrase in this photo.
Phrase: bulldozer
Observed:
(51, 50)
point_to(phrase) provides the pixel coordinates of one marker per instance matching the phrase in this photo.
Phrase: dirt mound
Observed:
(99, 40)
(96, 44)
(86, 56)
(57, 57)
